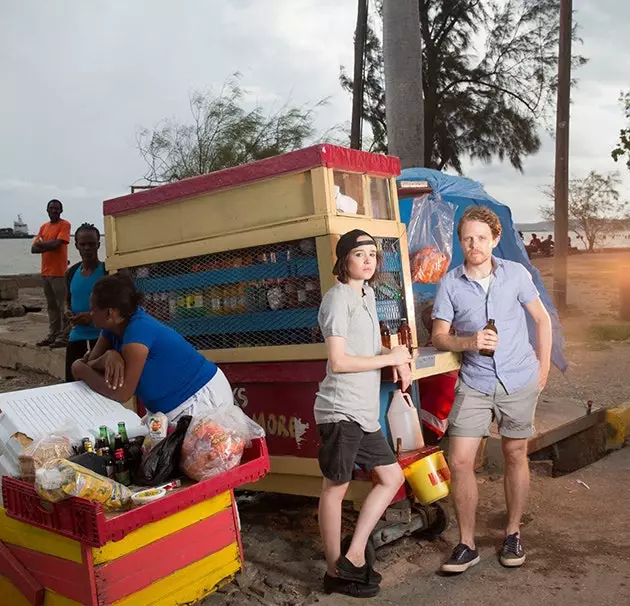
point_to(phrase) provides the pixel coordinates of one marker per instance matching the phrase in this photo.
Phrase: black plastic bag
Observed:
(162, 462)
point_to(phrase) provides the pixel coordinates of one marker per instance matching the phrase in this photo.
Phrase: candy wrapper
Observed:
(59, 479)
(158, 429)
(41, 451)
(215, 442)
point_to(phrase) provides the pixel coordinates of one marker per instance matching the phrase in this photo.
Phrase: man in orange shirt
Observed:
(52, 244)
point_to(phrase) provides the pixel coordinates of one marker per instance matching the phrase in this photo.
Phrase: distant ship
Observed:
(19, 230)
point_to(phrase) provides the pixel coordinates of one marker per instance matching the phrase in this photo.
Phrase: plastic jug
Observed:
(404, 422)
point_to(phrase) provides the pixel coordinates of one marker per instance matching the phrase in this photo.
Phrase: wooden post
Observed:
(561, 206)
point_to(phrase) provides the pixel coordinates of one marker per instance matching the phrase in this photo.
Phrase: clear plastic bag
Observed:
(430, 237)
(157, 424)
(41, 451)
(58, 479)
(215, 442)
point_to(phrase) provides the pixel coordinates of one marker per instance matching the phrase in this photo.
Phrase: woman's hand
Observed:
(82, 319)
(399, 355)
(114, 369)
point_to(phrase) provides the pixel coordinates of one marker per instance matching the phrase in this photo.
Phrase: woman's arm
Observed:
(118, 381)
(340, 361)
(93, 358)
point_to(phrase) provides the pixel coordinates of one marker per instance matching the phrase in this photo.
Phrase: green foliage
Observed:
(222, 134)
(596, 212)
(623, 145)
(489, 79)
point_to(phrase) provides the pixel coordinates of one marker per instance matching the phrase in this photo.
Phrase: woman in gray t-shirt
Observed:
(347, 413)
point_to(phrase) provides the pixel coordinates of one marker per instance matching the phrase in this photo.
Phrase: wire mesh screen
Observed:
(260, 296)
(253, 297)
(389, 289)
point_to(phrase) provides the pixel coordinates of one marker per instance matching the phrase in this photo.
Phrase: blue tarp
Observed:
(464, 192)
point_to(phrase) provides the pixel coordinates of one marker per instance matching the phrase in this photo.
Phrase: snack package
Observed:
(158, 428)
(41, 451)
(59, 479)
(215, 442)
(430, 237)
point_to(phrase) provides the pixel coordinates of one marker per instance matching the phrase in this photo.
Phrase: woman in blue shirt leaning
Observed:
(137, 355)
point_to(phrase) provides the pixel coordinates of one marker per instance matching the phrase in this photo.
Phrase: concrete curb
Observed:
(16, 355)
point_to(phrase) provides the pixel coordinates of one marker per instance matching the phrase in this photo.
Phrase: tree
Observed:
(222, 134)
(403, 81)
(623, 145)
(489, 78)
(596, 212)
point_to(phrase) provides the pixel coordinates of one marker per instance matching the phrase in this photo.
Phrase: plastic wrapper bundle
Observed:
(41, 451)
(430, 236)
(162, 462)
(157, 425)
(58, 479)
(215, 442)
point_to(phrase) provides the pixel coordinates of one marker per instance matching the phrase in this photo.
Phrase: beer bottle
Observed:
(489, 326)
(109, 462)
(122, 430)
(404, 334)
(103, 440)
(122, 474)
(87, 445)
(386, 335)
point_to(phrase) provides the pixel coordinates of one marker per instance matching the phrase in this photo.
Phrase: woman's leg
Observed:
(330, 505)
(389, 479)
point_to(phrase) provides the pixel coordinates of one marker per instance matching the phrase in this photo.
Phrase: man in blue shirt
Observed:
(80, 280)
(501, 375)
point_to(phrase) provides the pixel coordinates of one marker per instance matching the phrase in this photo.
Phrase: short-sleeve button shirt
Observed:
(463, 303)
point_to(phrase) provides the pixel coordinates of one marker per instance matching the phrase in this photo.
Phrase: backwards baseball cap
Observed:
(349, 241)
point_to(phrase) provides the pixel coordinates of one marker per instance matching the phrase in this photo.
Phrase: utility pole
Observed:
(561, 202)
(360, 35)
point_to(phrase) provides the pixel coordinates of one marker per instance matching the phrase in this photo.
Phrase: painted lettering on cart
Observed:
(240, 398)
(282, 427)
(440, 475)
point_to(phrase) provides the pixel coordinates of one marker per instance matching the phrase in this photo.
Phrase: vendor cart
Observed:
(237, 262)
(175, 550)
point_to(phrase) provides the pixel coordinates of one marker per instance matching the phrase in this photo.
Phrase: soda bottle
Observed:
(121, 469)
(103, 440)
(386, 335)
(404, 334)
(109, 462)
(489, 353)
(122, 431)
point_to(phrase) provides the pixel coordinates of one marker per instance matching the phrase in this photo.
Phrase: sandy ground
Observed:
(578, 538)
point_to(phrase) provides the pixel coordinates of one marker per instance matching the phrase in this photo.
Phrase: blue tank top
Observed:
(80, 293)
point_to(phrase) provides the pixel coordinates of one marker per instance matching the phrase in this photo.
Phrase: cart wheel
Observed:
(370, 550)
(438, 522)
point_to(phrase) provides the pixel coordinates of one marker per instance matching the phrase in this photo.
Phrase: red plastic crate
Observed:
(87, 522)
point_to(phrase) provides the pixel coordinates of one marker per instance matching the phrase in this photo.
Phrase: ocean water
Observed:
(16, 257)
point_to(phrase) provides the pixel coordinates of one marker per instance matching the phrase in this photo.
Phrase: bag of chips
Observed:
(59, 479)
(215, 442)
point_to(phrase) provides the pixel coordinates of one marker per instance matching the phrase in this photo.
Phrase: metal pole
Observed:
(357, 85)
(561, 206)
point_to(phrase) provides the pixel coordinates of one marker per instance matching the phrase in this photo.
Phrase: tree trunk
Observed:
(402, 53)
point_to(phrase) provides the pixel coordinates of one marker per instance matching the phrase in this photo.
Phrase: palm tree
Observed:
(404, 105)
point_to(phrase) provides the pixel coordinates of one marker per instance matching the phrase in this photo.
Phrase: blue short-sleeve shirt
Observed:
(80, 292)
(174, 370)
(464, 303)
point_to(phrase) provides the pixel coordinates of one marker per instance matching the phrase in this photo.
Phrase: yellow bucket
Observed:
(429, 478)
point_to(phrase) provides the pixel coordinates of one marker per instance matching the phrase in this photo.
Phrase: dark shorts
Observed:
(345, 444)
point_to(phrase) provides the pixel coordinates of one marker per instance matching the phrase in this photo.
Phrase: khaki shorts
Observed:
(473, 411)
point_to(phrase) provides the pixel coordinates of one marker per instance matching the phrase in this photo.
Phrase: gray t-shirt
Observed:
(350, 396)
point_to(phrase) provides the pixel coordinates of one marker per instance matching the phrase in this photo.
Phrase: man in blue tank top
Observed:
(80, 280)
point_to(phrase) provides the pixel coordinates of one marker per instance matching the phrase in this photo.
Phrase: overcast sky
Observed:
(79, 79)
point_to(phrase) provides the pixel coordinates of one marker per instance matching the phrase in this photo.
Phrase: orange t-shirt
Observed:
(55, 262)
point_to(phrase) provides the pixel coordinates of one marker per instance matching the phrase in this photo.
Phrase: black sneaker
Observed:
(512, 553)
(45, 342)
(351, 588)
(462, 558)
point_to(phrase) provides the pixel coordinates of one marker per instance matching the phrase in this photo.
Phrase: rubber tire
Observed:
(440, 523)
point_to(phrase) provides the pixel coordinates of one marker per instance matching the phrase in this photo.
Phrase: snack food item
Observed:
(59, 479)
(428, 265)
(158, 428)
(210, 448)
(147, 496)
(41, 451)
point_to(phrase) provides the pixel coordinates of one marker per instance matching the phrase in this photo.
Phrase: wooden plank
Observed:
(154, 531)
(538, 442)
(63, 576)
(431, 362)
(408, 284)
(393, 196)
(326, 259)
(26, 535)
(378, 228)
(110, 235)
(245, 238)
(322, 192)
(191, 584)
(277, 353)
(19, 576)
(132, 573)
(367, 198)
(295, 466)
